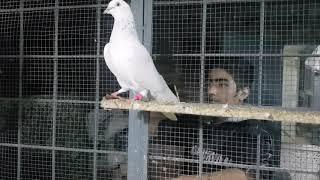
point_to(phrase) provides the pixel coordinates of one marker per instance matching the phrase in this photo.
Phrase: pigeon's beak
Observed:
(107, 11)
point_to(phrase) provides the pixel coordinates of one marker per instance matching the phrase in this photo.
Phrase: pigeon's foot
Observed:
(113, 96)
(138, 97)
(143, 96)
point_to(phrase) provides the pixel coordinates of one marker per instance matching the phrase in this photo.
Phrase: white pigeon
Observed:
(130, 61)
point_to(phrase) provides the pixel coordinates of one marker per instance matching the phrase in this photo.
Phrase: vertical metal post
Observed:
(202, 77)
(258, 156)
(261, 44)
(21, 53)
(147, 30)
(138, 120)
(137, 10)
(96, 105)
(55, 87)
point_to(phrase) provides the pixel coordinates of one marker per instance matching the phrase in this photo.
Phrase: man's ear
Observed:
(243, 93)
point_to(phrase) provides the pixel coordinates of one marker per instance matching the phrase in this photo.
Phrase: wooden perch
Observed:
(219, 110)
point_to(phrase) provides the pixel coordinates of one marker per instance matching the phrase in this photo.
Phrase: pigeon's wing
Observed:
(106, 55)
(112, 67)
(146, 76)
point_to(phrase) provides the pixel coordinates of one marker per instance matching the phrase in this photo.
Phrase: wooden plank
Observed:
(295, 115)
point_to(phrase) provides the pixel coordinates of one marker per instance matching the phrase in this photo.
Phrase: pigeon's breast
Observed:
(120, 54)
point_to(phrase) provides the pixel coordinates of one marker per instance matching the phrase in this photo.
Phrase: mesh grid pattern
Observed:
(77, 31)
(9, 33)
(38, 76)
(40, 43)
(74, 165)
(9, 68)
(250, 41)
(53, 75)
(76, 78)
(9, 156)
(10, 4)
(37, 3)
(9, 124)
(36, 163)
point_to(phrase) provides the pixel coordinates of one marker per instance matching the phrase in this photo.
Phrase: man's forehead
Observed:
(219, 74)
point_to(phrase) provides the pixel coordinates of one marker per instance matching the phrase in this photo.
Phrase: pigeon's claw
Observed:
(115, 94)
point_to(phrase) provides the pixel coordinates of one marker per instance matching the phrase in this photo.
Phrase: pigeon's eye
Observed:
(118, 4)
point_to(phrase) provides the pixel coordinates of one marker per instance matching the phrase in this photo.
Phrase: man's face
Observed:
(222, 88)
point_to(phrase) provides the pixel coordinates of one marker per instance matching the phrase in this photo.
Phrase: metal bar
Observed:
(50, 8)
(261, 44)
(97, 102)
(262, 9)
(61, 148)
(200, 166)
(190, 2)
(137, 145)
(55, 87)
(47, 100)
(147, 42)
(21, 45)
(203, 49)
(52, 56)
(258, 156)
(202, 77)
(238, 55)
(148, 24)
(234, 165)
(174, 55)
(138, 120)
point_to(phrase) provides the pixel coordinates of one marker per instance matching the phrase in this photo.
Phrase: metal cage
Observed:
(53, 76)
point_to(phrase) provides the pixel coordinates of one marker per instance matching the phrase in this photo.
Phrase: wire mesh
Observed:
(41, 22)
(76, 79)
(8, 123)
(37, 3)
(9, 33)
(52, 77)
(37, 124)
(259, 45)
(38, 77)
(74, 165)
(8, 162)
(9, 4)
(36, 163)
(9, 68)
(77, 31)
(53, 74)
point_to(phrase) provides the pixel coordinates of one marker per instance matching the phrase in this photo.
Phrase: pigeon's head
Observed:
(118, 8)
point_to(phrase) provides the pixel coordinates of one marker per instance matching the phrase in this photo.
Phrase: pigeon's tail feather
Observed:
(170, 116)
(167, 97)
